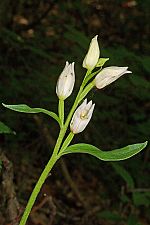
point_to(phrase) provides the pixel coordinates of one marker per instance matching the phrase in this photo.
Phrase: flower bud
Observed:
(93, 54)
(81, 117)
(66, 81)
(108, 75)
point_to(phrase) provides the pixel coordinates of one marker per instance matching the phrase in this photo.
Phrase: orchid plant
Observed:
(79, 115)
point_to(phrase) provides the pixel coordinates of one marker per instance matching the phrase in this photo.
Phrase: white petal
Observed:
(92, 56)
(65, 83)
(81, 117)
(109, 75)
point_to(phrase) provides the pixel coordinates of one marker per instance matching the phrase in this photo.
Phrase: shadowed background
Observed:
(36, 39)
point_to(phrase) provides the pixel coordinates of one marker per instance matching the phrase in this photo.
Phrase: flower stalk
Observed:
(37, 188)
(79, 116)
(55, 156)
(61, 111)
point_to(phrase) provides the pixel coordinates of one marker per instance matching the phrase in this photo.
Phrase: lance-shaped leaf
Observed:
(26, 109)
(114, 155)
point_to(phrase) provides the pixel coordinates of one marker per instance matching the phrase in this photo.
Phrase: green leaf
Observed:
(101, 62)
(124, 174)
(5, 129)
(114, 155)
(26, 109)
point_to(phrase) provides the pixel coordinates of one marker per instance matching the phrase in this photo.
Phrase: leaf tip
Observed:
(145, 143)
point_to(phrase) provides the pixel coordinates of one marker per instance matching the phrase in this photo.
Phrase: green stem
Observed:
(37, 188)
(42, 179)
(61, 111)
(55, 156)
(49, 166)
(90, 76)
(85, 78)
(86, 90)
(67, 141)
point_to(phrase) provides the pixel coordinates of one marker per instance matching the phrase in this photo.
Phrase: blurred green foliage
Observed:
(4, 129)
(36, 39)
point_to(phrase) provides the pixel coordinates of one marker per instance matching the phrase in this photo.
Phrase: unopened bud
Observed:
(108, 75)
(66, 81)
(93, 55)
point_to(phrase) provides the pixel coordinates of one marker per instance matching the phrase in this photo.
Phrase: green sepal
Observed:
(27, 109)
(101, 62)
(114, 155)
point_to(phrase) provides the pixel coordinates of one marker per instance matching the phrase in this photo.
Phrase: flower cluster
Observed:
(66, 81)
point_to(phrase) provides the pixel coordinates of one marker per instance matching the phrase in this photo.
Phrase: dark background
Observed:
(36, 38)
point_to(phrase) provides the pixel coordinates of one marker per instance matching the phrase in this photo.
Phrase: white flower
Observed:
(66, 81)
(81, 117)
(108, 75)
(93, 54)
